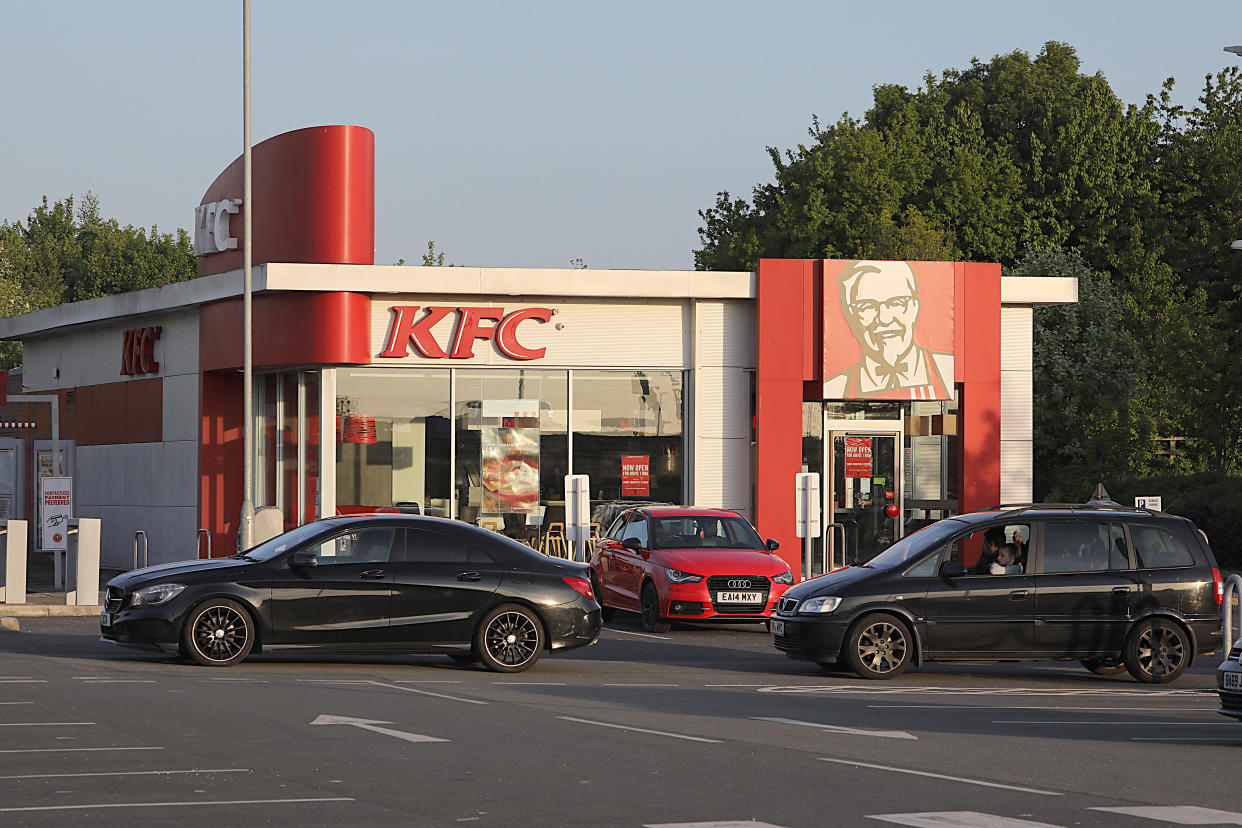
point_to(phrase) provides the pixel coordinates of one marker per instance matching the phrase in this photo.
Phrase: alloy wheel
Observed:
(221, 633)
(1160, 651)
(512, 638)
(882, 647)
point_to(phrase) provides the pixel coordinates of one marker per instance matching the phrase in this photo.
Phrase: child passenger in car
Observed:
(1004, 564)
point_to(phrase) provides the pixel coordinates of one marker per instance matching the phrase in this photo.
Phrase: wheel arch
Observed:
(1171, 615)
(524, 604)
(256, 615)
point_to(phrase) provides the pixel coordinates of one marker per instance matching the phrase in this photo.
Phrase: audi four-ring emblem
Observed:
(739, 583)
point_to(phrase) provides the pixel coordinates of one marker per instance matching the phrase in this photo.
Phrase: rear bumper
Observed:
(571, 625)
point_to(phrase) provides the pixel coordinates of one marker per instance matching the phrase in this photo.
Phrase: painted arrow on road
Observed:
(372, 725)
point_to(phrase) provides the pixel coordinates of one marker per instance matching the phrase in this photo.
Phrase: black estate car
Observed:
(388, 583)
(1116, 588)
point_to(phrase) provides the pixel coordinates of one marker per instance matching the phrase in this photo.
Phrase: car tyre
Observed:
(879, 646)
(218, 633)
(1105, 666)
(509, 639)
(652, 622)
(1157, 651)
(605, 612)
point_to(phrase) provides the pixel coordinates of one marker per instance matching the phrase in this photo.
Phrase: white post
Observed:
(14, 589)
(578, 513)
(807, 522)
(86, 574)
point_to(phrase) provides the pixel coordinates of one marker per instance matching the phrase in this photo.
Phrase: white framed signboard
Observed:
(55, 510)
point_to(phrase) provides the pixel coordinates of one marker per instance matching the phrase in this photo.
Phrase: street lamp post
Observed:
(247, 510)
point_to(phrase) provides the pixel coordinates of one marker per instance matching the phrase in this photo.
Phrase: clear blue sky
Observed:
(516, 134)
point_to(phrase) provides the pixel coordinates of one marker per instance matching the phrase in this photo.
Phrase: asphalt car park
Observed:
(702, 724)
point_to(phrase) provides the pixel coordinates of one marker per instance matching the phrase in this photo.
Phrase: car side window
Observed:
(925, 568)
(1158, 548)
(992, 550)
(636, 527)
(618, 526)
(426, 546)
(1084, 546)
(372, 545)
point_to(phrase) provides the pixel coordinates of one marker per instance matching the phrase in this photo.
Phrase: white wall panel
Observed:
(726, 332)
(722, 403)
(180, 401)
(177, 350)
(1015, 463)
(1016, 337)
(722, 474)
(102, 476)
(641, 334)
(1016, 412)
(170, 532)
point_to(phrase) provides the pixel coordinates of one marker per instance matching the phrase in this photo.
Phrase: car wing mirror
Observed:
(952, 569)
(305, 557)
(771, 545)
(632, 544)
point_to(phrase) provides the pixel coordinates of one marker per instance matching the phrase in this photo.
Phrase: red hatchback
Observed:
(673, 564)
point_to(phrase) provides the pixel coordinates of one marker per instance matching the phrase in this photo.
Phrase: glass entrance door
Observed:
(863, 494)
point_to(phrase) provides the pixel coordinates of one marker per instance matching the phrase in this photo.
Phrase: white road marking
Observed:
(426, 681)
(958, 819)
(1124, 724)
(737, 823)
(46, 724)
(912, 772)
(1179, 814)
(959, 707)
(640, 730)
(242, 680)
(530, 683)
(1224, 739)
(371, 725)
(119, 681)
(74, 750)
(176, 804)
(872, 690)
(641, 635)
(375, 683)
(852, 731)
(737, 685)
(125, 773)
(22, 681)
(16, 702)
(641, 685)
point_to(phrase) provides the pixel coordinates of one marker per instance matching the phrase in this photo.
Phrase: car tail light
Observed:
(582, 585)
(1220, 587)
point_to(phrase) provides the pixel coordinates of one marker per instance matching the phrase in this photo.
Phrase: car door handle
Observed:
(372, 574)
(1120, 590)
(469, 576)
(1019, 595)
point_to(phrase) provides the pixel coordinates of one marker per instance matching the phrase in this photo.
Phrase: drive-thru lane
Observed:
(704, 725)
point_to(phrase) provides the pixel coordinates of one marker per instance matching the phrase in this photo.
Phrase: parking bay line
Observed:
(959, 707)
(963, 780)
(16, 702)
(127, 773)
(74, 750)
(641, 635)
(1126, 724)
(849, 731)
(375, 683)
(47, 724)
(175, 804)
(640, 730)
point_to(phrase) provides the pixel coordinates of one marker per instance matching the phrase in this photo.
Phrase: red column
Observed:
(977, 288)
(783, 288)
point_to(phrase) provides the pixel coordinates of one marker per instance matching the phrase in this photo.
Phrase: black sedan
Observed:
(370, 584)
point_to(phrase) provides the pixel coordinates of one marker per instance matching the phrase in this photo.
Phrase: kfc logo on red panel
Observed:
(138, 351)
(472, 324)
(888, 330)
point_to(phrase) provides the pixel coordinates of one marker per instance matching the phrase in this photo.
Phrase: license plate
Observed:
(778, 627)
(105, 619)
(739, 597)
(1231, 681)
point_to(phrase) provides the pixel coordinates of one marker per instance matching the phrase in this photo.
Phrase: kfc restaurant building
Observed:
(471, 392)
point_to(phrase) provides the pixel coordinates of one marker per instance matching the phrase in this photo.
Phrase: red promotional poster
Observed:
(888, 330)
(636, 476)
(857, 456)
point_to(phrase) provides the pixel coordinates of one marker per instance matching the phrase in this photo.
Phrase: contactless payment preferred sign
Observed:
(55, 507)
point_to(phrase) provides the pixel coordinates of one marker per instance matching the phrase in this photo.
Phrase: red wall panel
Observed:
(289, 329)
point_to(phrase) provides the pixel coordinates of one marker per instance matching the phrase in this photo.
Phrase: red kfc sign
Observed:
(636, 476)
(407, 328)
(138, 351)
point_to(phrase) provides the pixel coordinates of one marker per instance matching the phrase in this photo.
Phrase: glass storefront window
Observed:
(393, 445)
(931, 463)
(511, 448)
(287, 445)
(628, 428)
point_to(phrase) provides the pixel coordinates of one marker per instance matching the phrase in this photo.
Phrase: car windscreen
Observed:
(703, 532)
(282, 543)
(911, 546)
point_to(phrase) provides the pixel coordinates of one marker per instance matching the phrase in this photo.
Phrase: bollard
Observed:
(86, 570)
(14, 589)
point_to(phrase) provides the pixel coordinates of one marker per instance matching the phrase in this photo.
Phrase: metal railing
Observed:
(1232, 584)
(145, 549)
(199, 545)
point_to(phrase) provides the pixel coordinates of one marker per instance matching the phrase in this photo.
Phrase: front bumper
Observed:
(809, 639)
(693, 602)
(1230, 698)
(144, 627)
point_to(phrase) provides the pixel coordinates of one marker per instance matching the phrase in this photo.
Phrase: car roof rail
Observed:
(1091, 506)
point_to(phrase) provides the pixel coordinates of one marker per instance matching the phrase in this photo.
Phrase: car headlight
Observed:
(679, 577)
(155, 595)
(824, 603)
(785, 577)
